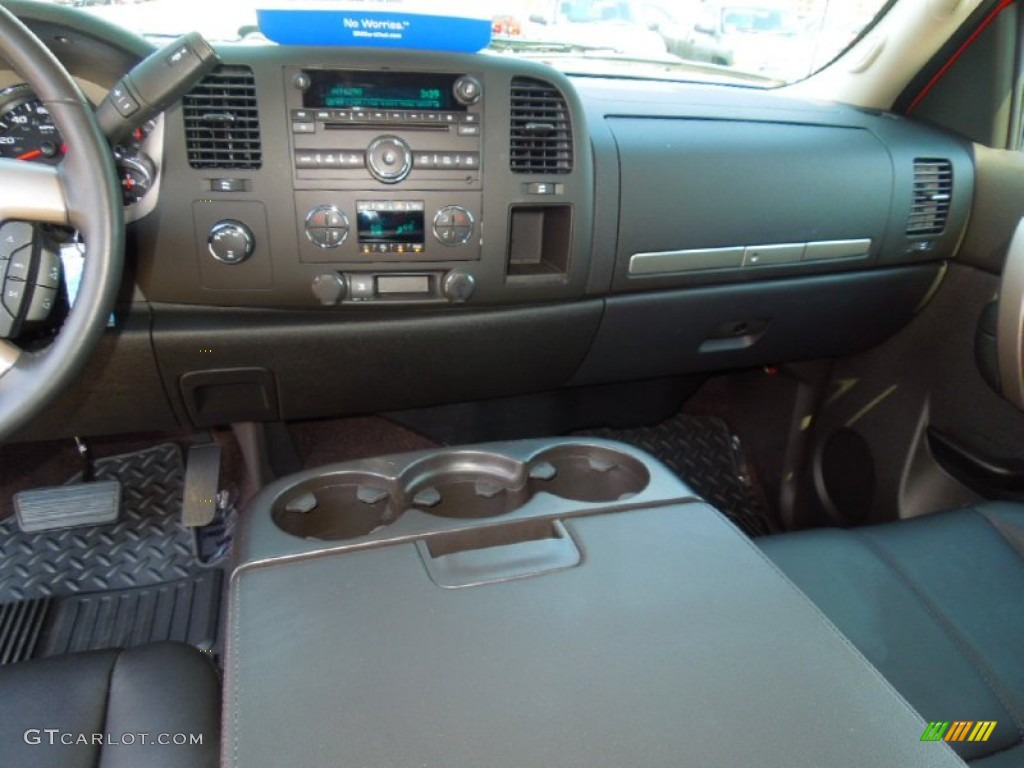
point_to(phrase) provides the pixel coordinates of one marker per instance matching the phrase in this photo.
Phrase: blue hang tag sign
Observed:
(435, 25)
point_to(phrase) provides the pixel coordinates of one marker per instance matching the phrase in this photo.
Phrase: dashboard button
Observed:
(470, 160)
(305, 160)
(424, 160)
(343, 116)
(449, 117)
(468, 129)
(431, 117)
(470, 117)
(396, 117)
(360, 287)
(301, 115)
(446, 160)
(360, 115)
(414, 117)
(323, 114)
(303, 127)
(378, 116)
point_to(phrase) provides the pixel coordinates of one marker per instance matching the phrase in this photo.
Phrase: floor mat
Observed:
(185, 611)
(708, 457)
(141, 579)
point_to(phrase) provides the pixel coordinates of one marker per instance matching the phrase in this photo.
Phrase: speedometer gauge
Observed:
(27, 131)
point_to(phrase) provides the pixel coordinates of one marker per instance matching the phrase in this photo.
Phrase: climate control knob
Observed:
(389, 159)
(230, 241)
(458, 285)
(453, 225)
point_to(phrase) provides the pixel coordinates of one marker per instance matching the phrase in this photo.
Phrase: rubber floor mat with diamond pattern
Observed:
(703, 452)
(148, 545)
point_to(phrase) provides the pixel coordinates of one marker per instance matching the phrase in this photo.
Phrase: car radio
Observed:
(388, 127)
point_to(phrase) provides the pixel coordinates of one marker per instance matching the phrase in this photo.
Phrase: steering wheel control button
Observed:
(14, 296)
(453, 225)
(468, 90)
(231, 242)
(20, 265)
(458, 286)
(14, 235)
(41, 304)
(329, 288)
(50, 269)
(326, 226)
(389, 159)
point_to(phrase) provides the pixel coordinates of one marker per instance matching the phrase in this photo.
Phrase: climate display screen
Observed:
(390, 226)
(428, 92)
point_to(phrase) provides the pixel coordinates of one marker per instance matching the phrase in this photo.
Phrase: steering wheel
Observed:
(81, 192)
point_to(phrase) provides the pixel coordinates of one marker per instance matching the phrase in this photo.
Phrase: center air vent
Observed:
(222, 124)
(933, 192)
(541, 131)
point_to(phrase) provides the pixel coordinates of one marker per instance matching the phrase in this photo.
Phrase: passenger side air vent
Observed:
(933, 191)
(222, 124)
(541, 131)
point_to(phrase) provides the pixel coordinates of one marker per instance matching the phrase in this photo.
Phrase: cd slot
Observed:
(364, 126)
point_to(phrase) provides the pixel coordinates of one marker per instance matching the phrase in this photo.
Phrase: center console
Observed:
(547, 602)
(362, 181)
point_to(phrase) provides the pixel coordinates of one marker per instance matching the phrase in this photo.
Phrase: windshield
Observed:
(761, 42)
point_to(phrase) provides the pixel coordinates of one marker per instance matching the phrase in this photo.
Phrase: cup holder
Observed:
(587, 473)
(467, 485)
(333, 508)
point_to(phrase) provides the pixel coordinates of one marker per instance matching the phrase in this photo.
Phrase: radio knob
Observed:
(230, 241)
(389, 159)
(468, 90)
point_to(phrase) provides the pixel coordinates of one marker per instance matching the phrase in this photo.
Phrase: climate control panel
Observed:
(371, 226)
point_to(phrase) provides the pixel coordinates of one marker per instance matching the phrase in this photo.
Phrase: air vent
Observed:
(541, 131)
(933, 191)
(222, 124)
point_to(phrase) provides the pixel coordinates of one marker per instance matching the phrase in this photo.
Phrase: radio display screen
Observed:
(390, 226)
(334, 89)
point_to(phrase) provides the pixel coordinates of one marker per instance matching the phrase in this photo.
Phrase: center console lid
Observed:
(533, 604)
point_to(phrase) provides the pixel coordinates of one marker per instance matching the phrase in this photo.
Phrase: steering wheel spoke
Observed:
(32, 192)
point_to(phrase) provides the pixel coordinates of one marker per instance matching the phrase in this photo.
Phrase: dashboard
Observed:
(324, 231)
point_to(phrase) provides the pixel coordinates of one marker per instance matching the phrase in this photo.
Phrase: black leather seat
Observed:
(90, 710)
(937, 605)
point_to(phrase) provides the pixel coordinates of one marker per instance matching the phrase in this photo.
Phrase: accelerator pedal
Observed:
(202, 476)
